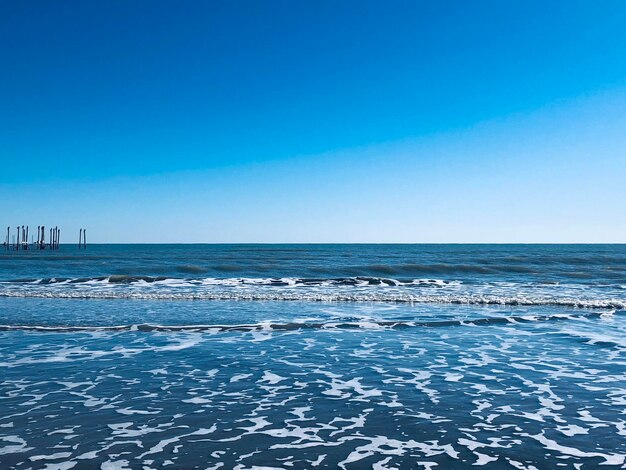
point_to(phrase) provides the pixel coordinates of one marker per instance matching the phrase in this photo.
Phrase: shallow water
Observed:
(510, 357)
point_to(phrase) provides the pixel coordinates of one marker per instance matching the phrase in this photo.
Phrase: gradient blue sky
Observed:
(324, 121)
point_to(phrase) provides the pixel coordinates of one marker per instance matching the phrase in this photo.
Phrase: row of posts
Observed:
(19, 241)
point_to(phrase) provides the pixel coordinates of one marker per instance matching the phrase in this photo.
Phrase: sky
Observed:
(326, 121)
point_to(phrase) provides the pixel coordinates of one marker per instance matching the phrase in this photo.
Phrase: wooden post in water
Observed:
(85, 238)
(26, 240)
(8, 233)
(17, 245)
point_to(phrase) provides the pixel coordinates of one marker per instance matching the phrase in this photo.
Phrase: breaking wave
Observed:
(391, 297)
(277, 282)
(346, 289)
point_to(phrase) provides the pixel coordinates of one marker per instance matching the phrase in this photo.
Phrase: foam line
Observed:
(391, 324)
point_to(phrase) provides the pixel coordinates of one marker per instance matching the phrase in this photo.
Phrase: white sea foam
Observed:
(310, 296)
(324, 290)
(16, 445)
(609, 459)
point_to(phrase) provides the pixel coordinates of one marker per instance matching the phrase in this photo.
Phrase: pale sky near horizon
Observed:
(289, 122)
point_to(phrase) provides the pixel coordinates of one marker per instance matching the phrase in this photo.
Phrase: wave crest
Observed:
(391, 297)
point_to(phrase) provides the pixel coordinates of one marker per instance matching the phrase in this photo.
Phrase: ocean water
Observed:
(313, 356)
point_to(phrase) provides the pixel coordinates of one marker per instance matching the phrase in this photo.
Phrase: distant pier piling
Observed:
(82, 239)
(20, 239)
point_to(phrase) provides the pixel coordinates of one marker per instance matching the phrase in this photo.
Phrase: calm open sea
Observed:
(313, 356)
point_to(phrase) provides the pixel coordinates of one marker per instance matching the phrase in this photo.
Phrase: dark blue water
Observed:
(323, 356)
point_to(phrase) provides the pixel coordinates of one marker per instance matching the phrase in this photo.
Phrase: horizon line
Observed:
(345, 243)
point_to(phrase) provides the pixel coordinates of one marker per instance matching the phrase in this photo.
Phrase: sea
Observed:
(313, 356)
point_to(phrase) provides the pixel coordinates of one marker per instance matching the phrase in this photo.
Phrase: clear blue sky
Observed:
(324, 121)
